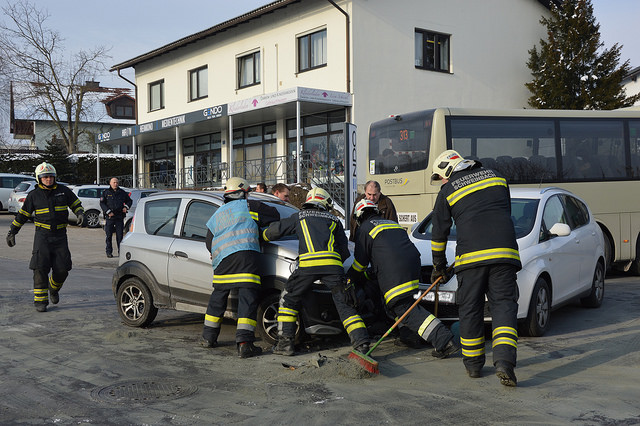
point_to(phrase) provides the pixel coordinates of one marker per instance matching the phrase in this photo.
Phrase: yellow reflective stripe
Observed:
(42, 225)
(234, 278)
(254, 215)
(247, 321)
(438, 246)
(42, 211)
(320, 262)
(481, 255)
(472, 342)
(54, 285)
(264, 235)
(400, 289)
(504, 341)
(60, 208)
(75, 203)
(472, 353)
(16, 223)
(40, 295)
(357, 266)
(211, 318)
(24, 213)
(425, 324)
(287, 311)
(332, 238)
(507, 330)
(376, 230)
(320, 254)
(469, 189)
(61, 226)
(353, 323)
(307, 237)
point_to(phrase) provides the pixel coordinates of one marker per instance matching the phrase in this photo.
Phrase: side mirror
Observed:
(560, 230)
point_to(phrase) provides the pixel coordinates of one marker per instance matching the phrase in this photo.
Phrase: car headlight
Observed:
(443, 297)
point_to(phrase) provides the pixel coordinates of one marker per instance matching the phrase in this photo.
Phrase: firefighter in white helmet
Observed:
(323, 247)
(48, 206)
(487, 259)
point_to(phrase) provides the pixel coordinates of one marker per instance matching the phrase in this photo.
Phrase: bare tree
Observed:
(53, 85)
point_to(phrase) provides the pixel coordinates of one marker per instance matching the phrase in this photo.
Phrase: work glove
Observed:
(350, 293)
(11, 239)
(440, 271)
(80, 219)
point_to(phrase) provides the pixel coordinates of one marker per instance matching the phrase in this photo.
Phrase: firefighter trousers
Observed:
(422, 322)
(498, 283)
(50, 253)
(248, 297)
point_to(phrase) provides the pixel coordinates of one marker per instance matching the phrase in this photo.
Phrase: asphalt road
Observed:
(77, 363)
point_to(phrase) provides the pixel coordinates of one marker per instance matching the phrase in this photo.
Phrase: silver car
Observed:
(164, 263)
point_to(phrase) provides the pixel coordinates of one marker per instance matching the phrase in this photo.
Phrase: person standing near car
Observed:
(385, 206)
(48, 205)
(477, 199)
(233, 241)
(115, 202)
(322, 250)
(281, 191)
(395, 265)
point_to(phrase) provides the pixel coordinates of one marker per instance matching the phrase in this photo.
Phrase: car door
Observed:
(189, 267)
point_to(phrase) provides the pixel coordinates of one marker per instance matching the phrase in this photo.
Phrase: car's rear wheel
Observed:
(92, 219)
(268, 319)
(594, 299)
(537, 321)
(135, 303)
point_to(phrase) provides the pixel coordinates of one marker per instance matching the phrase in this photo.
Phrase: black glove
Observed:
(350, 293)
(80, 220)
(11, 239)
(440, 271)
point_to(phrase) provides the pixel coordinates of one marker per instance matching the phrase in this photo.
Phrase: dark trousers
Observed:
(113, 224)
(499, 284)
(50, 253)
(248, 298)
(422, 322)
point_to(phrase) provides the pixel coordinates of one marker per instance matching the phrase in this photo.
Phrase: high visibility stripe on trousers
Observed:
(287, 314)
(41, 295)
(400, 290)
(428, 325)
(505, 336)
(353, 323)
(246, 324)
(472, 347)
(53, 285)
(212, 321)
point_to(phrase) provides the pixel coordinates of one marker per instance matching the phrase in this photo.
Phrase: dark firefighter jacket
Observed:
(323, 245)
(478, 201)
(48, 208)
(114, 201)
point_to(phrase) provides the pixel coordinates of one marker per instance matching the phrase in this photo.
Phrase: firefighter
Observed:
(395, 265)
(487, 259)
(48, 205)
(233, 242)
(323, 247)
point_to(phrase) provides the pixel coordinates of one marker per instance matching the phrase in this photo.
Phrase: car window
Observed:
(195, 222)
(145, 194)
(160, 216)
(577, 212)
(523, 215)
(553, 213)
(22, 187)
(424, 230)
(88, 193)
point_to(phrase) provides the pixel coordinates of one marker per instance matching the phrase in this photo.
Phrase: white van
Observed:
(8, 181)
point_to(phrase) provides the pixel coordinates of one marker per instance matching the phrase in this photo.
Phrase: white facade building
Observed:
(320, 63)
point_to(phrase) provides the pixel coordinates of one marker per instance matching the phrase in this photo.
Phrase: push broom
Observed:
(370, 364)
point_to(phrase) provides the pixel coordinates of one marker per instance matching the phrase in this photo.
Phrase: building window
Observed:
(124, 111)
(312, 51)
(198, 83)
(156, 95)
(432, 51)
(249, 70)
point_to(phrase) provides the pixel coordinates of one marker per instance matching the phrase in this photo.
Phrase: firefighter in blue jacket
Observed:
(395, 265)
(323, 247)
(487, 259)
(48, 205)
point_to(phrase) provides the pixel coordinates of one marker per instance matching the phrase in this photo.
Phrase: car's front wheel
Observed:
(268, 318)
(594, 299)
(135, 303)
(92, 219)
(537, 321)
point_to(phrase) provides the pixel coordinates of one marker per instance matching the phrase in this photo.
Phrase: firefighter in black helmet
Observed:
(323, 247)
(487, 259)
(48, 205)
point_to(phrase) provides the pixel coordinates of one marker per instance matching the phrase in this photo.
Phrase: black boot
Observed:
(248, 349)
(504, 371)
(207, 343)
(449, 349)
(363, 348)
(54, 296)
(284, 346)
(40, 307)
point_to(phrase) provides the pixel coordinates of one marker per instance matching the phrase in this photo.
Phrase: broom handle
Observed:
(407, 311)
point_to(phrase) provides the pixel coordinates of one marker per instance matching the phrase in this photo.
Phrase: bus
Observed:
(594, 154)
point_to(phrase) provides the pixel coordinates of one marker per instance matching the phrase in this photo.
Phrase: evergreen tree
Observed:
(56, 154)
(568, 70)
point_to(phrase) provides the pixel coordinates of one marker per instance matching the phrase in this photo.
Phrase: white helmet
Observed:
(318, 197)
(364, 206)
(45, 169)
(236, 188)
(445, 163)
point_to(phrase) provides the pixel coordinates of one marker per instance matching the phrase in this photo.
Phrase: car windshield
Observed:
(523, 215)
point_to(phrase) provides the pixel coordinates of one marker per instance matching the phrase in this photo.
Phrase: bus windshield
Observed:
(400, 143)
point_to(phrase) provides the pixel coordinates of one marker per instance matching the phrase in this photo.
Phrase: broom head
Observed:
(369, 364)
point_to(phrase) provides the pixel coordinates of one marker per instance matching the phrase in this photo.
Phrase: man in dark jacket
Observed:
(323, 247)
(115, 202)
(48, 205)
(487, 258)
(385, 205)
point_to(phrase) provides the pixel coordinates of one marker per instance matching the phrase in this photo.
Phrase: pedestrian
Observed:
(281, 191)
(232, 240)
(48, 206)
(261, 187)
(323, 247)
(115, 202)
(395, 265)
(477, 199)
(385, 205)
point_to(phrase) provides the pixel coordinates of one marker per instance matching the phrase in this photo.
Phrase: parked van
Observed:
(8, 181)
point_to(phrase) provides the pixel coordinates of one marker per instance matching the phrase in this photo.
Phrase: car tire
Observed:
(92, 219)
(539, 314)
(135, 303)
(594, 299)
(268, 319)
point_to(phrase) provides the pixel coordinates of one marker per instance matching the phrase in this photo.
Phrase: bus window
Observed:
(634, 136)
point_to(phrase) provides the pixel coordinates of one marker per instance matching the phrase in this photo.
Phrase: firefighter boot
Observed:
(54, 296)
(363, 348)
(248, 349)
(284, 346)
(504, 371)
(450, 348)
(40, 306)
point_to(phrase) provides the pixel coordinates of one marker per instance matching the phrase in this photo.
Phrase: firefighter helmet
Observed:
(318, 197)
(364, 206)
(444, 164)
(236, 188)
(45, 169)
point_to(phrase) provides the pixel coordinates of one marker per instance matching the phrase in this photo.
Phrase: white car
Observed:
(562, 252)
(19, 195)
(89, 196)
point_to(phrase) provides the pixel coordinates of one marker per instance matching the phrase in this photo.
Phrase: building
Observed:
(279, 82)
(631, 83)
